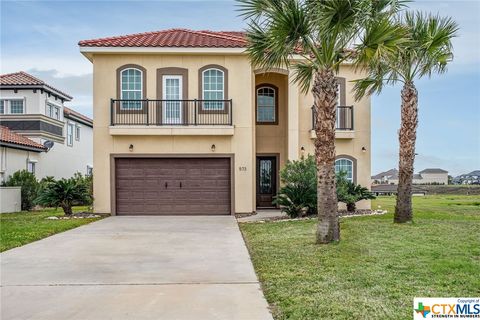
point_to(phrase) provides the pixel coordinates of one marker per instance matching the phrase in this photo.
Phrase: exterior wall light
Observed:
(213, 147)
(130, 148)
(302, 151)
(364, 149)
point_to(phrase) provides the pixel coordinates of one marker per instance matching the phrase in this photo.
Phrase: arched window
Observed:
(213, 88)
(345, 165)
(267, 104)
(131, 88)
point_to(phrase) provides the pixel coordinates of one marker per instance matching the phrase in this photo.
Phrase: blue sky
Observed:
(41, 37)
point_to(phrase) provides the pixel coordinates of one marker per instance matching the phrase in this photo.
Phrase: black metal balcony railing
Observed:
(344, 118)
(171, 112)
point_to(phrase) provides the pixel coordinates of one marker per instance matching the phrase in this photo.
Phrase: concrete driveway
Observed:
(134, 268)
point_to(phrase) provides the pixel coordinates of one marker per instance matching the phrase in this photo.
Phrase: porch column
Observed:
(292, 132)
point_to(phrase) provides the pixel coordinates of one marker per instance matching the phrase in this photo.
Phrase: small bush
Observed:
(29, 184)
(64, 193)
(298, 196)
(87, 181)
(350, 193)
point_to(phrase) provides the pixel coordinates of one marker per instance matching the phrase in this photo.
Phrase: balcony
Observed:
(171, 117)
(344, 128)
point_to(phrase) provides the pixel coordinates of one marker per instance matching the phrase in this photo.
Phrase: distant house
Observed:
(55, 140)
(433, 176)
(468, 178)
(384, 177)
(427, 176)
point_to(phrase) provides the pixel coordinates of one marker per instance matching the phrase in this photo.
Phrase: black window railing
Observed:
(344, 119)
(171, 112)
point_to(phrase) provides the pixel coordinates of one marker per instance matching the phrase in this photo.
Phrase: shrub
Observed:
(350, 193)
(29, 185)
(64, 193)
(298, 196)
(87, 181)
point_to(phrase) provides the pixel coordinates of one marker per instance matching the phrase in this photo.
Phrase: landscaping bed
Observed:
(377, 268)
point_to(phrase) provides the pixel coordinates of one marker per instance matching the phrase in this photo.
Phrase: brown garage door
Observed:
(172, 186)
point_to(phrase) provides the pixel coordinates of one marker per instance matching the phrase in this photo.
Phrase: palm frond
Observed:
(303, 74)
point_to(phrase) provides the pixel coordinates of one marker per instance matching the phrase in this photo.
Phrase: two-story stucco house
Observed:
(34, 109)
(185, 125)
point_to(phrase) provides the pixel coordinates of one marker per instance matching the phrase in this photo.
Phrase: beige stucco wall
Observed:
(247, 140)
(433, 178)
(241, 144)
(351, 147)
(272, 138)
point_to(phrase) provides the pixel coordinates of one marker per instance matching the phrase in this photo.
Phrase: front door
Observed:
(266, 181)
(172, 107)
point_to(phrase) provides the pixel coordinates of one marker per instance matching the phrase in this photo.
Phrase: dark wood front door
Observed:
(266, 181)
(172, 186)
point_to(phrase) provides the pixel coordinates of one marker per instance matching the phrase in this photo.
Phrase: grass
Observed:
(377, 268)
(20, 228)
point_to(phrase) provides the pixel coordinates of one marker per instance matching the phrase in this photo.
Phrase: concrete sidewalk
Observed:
(134, 268)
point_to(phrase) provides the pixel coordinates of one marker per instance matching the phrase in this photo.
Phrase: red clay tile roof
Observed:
(8, 136)
(180, 38)
(69, 112)
(24, 79)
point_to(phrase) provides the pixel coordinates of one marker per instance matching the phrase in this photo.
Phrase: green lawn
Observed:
(377, 268)
(17, 229)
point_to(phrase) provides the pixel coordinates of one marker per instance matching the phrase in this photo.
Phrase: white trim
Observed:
(353, 167)
(161, 50)
(166, 119)
(73, 133)
(266, 86)
(210, 90)
(141, 89)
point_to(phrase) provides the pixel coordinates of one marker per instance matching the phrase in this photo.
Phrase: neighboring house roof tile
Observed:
(433, 170)
(182, 38)
(8, 136)
(24, 79)
(69, 113)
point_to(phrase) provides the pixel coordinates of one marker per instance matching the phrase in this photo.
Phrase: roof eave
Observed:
(21, 147)
(87, 51)
(38, 86)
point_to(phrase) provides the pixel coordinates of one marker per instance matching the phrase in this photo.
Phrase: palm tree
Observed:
(427, 51)
(320, 32)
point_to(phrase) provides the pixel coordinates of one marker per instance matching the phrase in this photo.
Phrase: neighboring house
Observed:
(185, 125)
(17, 153)
(35, 110)
(384, 177)
(427, 176)
(433, 176)
(468, 178)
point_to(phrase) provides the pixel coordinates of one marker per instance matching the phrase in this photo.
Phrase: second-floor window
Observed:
(213, 89)
(16, 106)
(53, 111)
(13, 106)
(266, 104)
(70, 134)
(131, 88)
(77, 133)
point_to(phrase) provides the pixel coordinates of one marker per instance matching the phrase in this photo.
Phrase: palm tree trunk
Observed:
(67, 209)
(407, 137)
(325, 102)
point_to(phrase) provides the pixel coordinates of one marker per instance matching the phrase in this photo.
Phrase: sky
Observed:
(40, 37)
